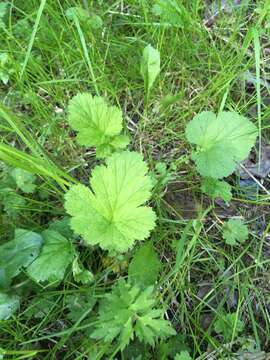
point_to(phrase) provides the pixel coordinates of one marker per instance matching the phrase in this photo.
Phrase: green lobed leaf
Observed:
(234, 231)
(151, 326)
(150, 66)
(8, 305)
(97, 123)
(117, 142)
(24, 180)
(18, 254)
(56, 254)
(183, 355)
(128, 311)
(217, 189)
(228, 325)
(145, 266)
(6, 65)
(111, 214)
(222, 142)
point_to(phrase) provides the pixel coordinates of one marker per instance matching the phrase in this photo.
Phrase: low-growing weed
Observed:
(125, 230)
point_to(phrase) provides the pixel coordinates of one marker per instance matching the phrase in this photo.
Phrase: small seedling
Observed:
(234, 231)
(97, 124)
(150, 68)
(229, 326)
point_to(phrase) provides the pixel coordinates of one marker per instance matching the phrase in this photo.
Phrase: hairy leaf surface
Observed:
(234, 230)
(97, 123)
(111, 214)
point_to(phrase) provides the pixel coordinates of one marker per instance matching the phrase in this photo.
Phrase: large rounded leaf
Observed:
(222, 142)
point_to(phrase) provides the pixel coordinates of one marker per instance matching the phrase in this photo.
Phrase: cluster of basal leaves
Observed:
(112, 213)
(222, 142)
(109, 213)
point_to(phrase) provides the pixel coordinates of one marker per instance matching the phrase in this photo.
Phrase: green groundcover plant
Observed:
(222, 142)
(111, 214)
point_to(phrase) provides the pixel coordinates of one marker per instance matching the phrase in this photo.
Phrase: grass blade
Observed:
(35, 165)
(86, 54)
(258, 89)
(181, 245)
(33, 35)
